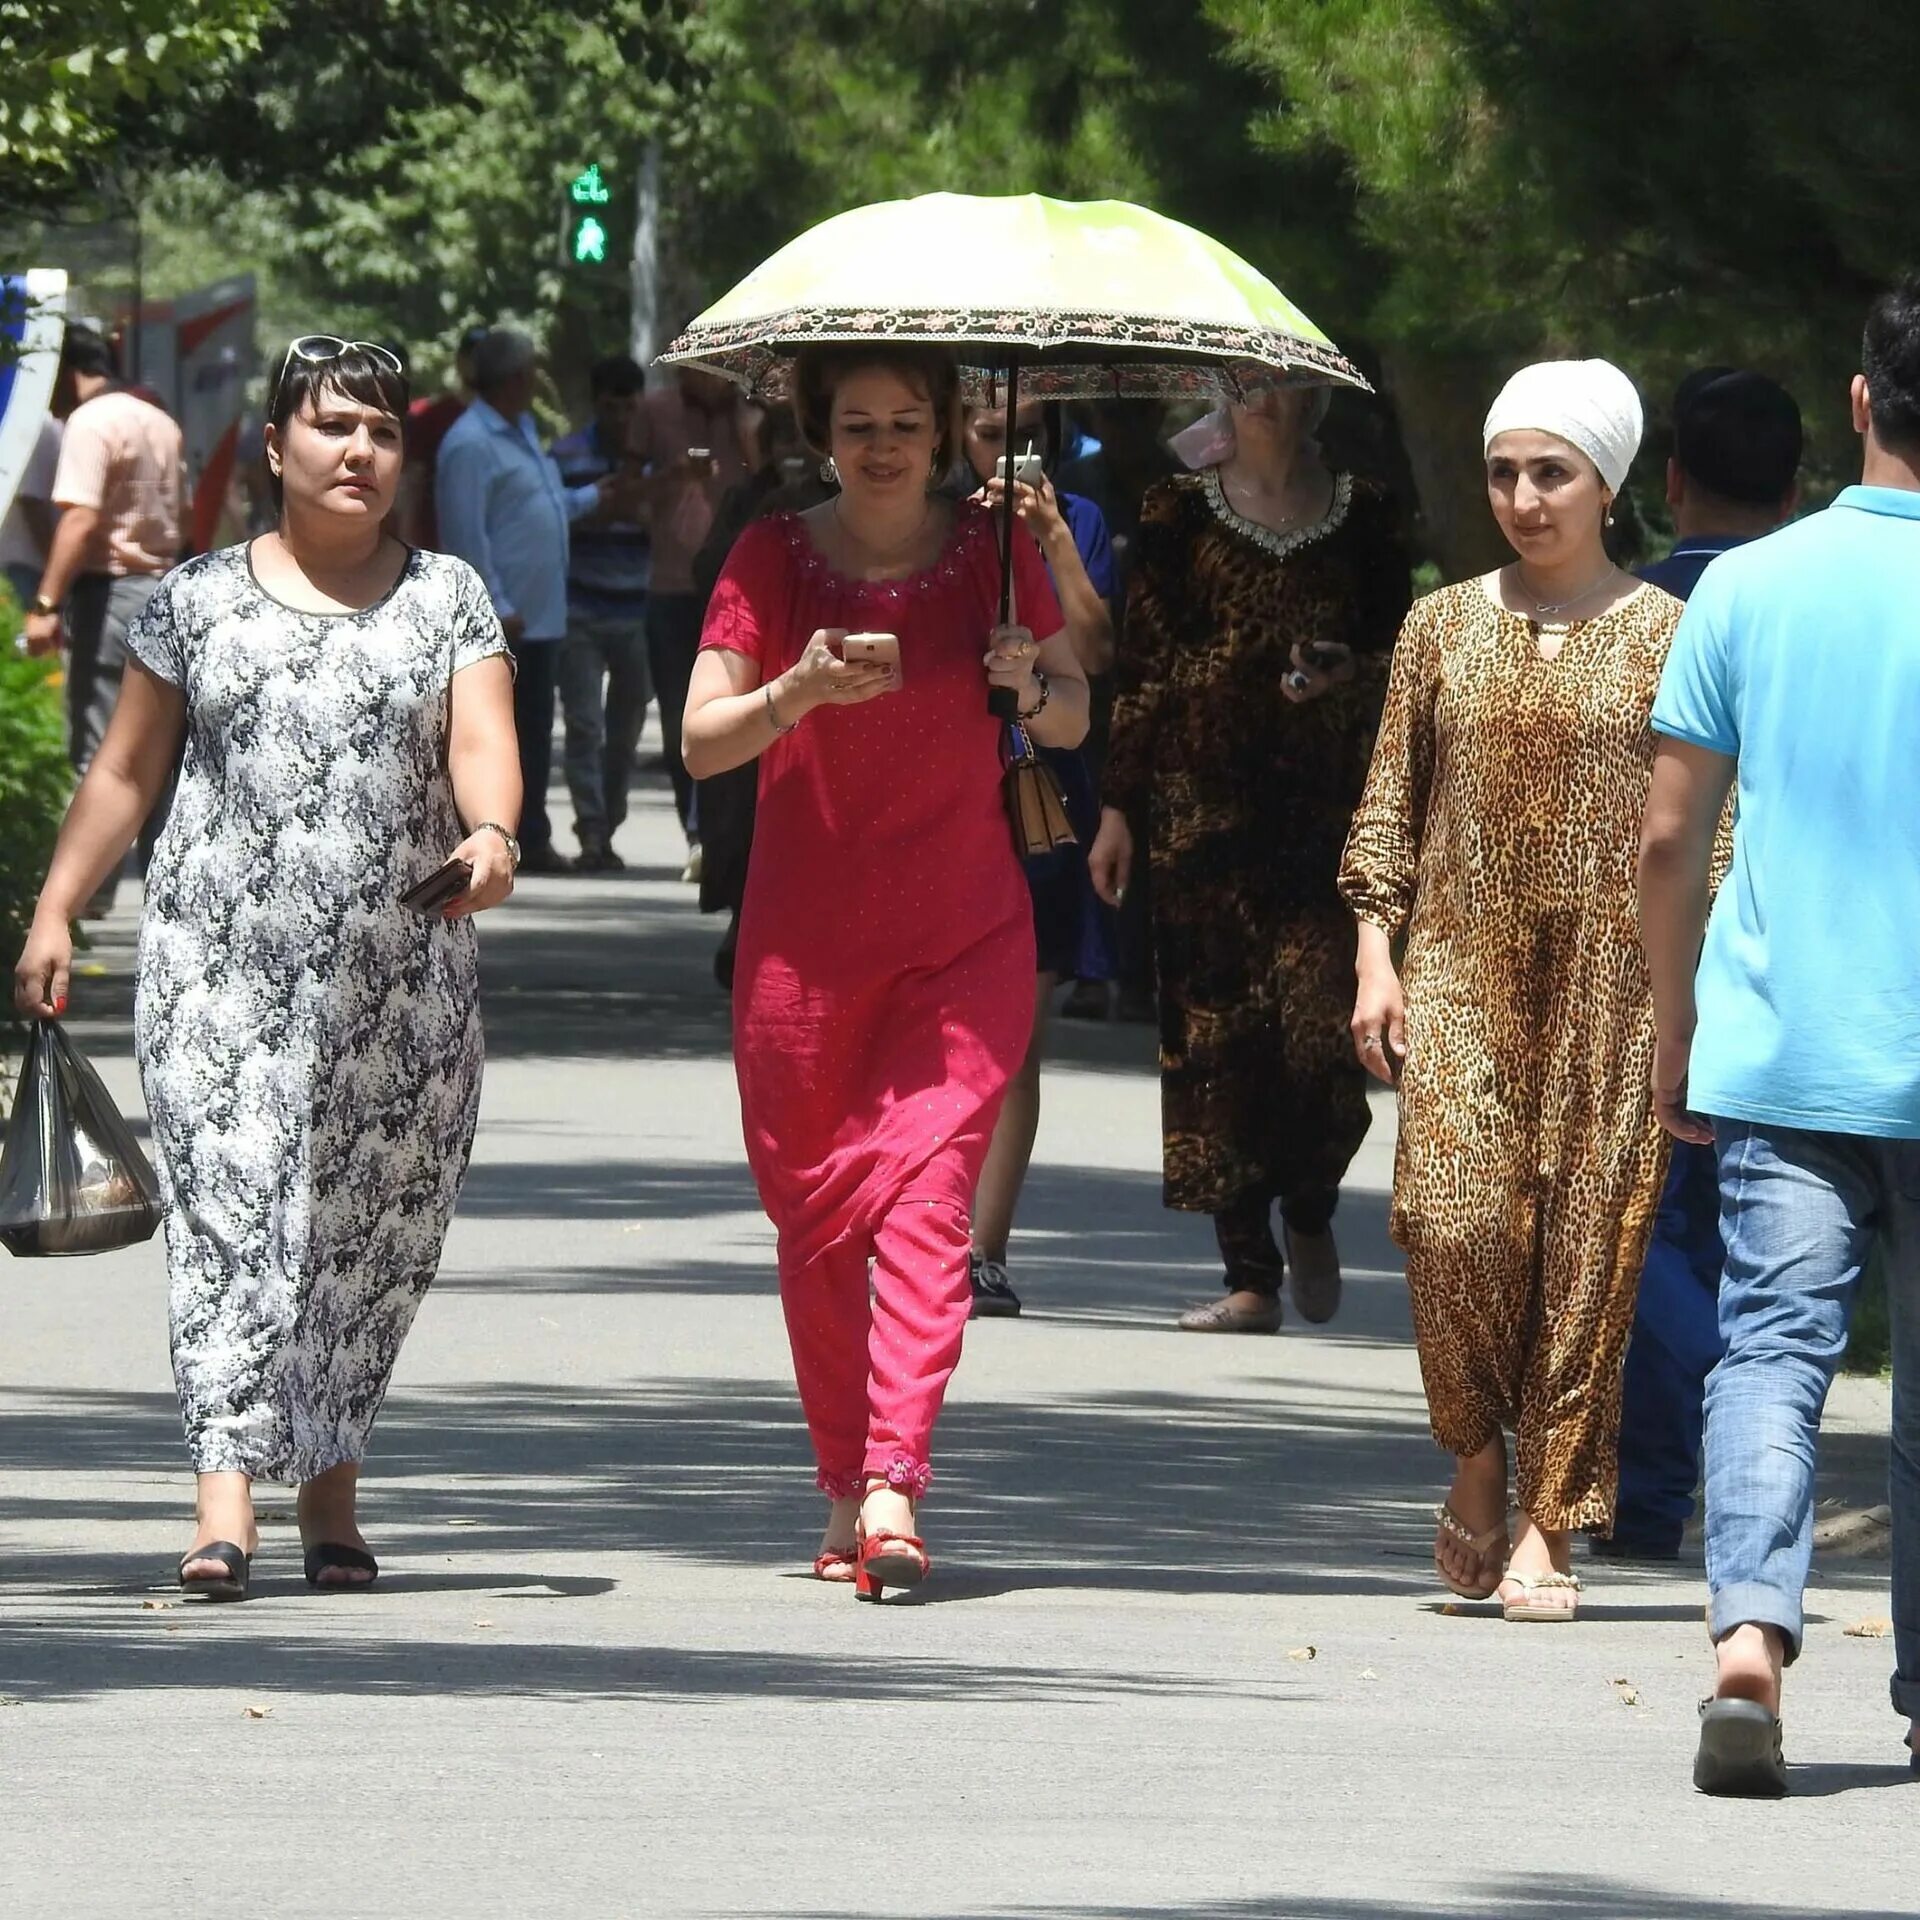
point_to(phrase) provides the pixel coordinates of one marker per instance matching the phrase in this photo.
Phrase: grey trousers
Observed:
(100, 609)
(604, 688)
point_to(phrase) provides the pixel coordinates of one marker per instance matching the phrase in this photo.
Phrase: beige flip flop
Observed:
(1217, 1317)
(1526, 1608)
(1489, 1548)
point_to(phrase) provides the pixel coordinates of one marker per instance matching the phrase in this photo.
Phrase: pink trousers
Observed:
(873, 1363)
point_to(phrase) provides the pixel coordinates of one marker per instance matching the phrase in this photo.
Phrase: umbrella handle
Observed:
(1002, 702)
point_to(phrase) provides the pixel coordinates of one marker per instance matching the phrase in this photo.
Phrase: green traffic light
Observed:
(590, 242)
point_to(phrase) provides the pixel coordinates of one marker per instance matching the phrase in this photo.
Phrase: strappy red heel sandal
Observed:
(836, 1566)
(889, 1559)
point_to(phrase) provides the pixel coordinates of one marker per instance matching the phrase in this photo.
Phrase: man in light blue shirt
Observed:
(1796, 674)
(504, 511)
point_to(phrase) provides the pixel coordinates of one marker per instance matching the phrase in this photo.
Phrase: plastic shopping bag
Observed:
(72, 1176)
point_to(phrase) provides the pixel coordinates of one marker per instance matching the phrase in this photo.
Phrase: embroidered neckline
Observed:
(1278, 544)
(967, 522)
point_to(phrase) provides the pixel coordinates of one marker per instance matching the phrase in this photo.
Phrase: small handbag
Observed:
(1036, 807)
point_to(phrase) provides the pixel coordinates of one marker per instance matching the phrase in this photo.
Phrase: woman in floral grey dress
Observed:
(309, 1046)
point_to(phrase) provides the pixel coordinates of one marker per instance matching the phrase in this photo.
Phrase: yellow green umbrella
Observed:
(1094, 299)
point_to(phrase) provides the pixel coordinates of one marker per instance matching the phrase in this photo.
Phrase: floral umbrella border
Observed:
(1066, 356)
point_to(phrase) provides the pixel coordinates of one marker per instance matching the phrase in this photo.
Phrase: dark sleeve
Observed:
(1383, 592)
(1144, 665)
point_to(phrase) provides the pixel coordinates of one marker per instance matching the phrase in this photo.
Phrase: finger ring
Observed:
(1371, 1043)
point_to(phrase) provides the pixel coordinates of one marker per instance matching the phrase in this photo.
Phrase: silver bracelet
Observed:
(513, 845)
(773, 714)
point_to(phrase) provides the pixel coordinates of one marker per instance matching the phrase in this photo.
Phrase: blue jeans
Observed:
(1676, 1341)
(1800, 1213)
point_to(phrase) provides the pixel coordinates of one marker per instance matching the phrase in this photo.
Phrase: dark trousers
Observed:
(100, 609)
(1676, 1344)
(673, 639)
(536, 675)
(1243, 1230)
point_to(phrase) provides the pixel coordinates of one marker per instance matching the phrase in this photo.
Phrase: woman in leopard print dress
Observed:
(1264, 599)
(1498, 833)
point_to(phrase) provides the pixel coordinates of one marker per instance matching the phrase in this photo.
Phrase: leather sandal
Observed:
(349, 1559)
(1218, 1317)
(889, 1559)
(231, 1585)
(1741, 1753)
(1527, 1608)
(836, 1565)
(1489, 1548)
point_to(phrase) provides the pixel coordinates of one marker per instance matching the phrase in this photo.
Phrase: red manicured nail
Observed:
(60, 1005)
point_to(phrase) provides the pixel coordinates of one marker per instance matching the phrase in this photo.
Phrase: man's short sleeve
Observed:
(1696, 698)
(80, 480)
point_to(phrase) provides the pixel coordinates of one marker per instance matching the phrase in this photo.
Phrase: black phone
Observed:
(442, 885)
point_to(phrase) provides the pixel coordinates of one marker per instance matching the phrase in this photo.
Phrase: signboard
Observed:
(32, 320)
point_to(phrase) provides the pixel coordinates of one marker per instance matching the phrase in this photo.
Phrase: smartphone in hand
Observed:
(873, 649)
(439, 889)
(1029, 469)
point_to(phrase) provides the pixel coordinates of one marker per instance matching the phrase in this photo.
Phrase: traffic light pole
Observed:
(645, 326)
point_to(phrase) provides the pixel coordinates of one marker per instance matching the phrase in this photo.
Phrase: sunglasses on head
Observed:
(318, 348)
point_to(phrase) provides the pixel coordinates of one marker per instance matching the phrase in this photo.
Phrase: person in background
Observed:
(1069, 933)
(1265, 595)
(428, 423)
(604, 683)
(118, 488)
(309, 1045)
(26, 533)
(1788, 1042)
(698, 438)
(1733, 477)
(504, 511)
(1497, 836)
(788, 480)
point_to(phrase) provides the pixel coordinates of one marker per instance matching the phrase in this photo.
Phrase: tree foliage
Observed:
(70, 72)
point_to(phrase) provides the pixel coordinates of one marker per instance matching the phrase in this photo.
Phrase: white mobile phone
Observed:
(1029, 469)
(872, 649)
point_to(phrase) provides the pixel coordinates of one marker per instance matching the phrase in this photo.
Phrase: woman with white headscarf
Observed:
(1498, 834)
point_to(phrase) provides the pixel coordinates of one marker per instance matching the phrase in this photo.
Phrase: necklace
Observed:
(1573, 600)
(882, 556)
(1281, 523)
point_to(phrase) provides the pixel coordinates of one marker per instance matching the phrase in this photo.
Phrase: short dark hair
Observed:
(355, 373)
(619, 374)
(1737, 434)
(1890, 358)
(819, 371)
(85, 350)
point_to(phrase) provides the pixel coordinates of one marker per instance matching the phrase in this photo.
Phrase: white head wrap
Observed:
(1590, 404)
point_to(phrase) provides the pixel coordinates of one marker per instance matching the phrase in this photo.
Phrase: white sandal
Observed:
(1526, 1608)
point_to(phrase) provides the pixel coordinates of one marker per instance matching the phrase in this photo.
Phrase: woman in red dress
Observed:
(883, 991)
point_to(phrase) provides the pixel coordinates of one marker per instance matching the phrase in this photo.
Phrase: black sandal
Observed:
(1740, 1751)
(350, 1559)
(231, 1585)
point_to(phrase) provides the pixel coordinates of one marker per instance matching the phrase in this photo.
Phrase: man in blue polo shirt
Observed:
(1796, 674)
(1733, 476)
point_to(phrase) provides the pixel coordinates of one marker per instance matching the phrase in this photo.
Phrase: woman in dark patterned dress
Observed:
(1264, 602)
(309, 1046)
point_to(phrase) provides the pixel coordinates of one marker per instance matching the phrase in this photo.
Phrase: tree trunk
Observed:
(1441, 401)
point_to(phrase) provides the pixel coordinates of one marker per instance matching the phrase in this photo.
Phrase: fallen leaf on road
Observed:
(158, 1606)
(1367, 1673)
(256, 1713)
(1303, 1653)
(1628, 1692)
(1868, 1630)
(483, 1623)
(1449, 1608)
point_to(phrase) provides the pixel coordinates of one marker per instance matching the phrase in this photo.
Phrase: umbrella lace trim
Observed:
(753, 351)
(1279, 544)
